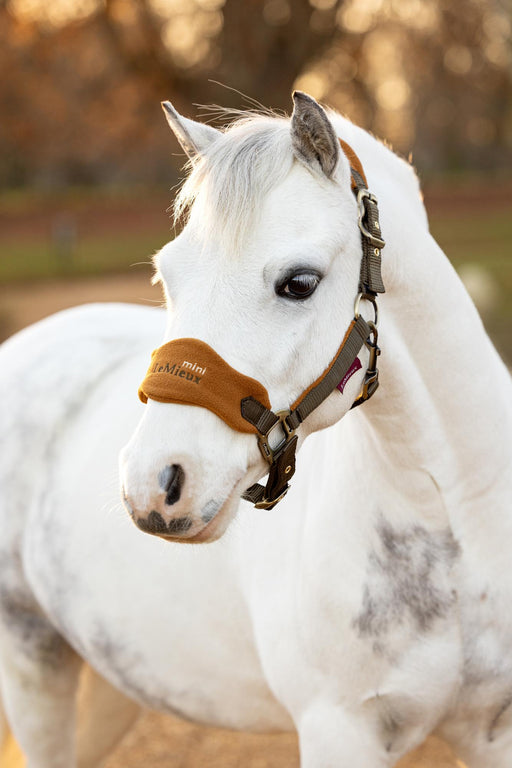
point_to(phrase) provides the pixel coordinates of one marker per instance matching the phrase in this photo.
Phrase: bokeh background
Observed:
(87, 162)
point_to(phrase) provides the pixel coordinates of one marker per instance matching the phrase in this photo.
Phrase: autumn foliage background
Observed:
(82, 79)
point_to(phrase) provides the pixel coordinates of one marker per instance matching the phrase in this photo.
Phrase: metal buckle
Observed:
(263, 440)
(267, 504)
(361, 196)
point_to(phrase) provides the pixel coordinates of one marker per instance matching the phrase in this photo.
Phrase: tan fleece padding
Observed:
(317, 381)
(189, 371)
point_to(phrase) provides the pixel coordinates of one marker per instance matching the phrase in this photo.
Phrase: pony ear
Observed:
(194, 137)
(314, 141)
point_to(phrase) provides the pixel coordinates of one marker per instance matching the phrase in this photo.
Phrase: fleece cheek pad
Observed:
(190, 372)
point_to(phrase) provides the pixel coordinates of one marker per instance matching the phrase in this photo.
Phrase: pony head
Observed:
(265, 272)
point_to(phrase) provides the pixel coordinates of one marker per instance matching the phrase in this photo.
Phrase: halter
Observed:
(189, 371)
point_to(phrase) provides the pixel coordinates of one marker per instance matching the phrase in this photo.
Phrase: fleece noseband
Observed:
(189, 371)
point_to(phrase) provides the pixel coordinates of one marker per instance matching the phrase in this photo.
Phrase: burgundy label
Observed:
(356, 365)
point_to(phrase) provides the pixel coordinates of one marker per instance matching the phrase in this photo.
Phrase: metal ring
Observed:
(366, 297)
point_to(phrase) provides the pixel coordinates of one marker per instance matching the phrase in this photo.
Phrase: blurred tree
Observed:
(268, 44)
(432, 76)
(258, 47)
(84, 77)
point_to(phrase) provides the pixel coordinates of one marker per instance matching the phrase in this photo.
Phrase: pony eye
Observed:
(299, 286)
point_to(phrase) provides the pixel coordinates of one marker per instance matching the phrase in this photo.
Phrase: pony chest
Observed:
(147, 615)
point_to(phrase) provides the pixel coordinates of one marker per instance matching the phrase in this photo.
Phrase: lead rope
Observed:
(360, 332)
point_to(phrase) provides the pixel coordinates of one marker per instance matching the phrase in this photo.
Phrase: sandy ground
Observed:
(157, 741)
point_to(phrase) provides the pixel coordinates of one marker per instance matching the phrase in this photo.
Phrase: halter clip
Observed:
(371, 377)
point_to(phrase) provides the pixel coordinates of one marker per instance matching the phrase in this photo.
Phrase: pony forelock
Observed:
(226, 185)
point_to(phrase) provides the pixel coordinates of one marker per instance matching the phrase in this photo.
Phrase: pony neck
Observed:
(445, 401)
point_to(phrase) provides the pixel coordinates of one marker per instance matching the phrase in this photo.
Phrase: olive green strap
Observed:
(264, 419)
(282, 460)
(254, 494)
(256, 413)
(370, 278)
(357, 336)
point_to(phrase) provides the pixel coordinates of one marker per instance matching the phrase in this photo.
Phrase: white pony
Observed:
(372, 606)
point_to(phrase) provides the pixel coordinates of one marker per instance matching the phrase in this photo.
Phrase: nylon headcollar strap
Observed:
(370, 279)
(190, 372)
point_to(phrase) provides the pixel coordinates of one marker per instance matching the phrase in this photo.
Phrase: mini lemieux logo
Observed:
(186, 370)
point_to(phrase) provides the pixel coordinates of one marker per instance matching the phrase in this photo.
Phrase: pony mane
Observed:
(227, 183)
(224, 190)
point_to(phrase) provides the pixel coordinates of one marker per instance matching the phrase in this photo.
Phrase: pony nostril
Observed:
(154, 523)
(179, 525)
(171, 481)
